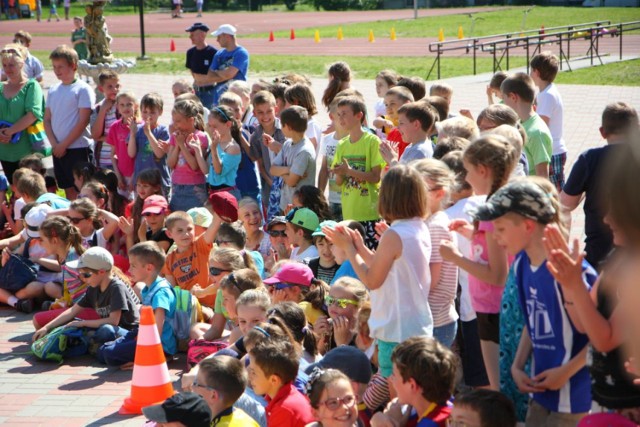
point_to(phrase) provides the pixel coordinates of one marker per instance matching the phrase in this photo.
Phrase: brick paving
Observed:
(80, 392)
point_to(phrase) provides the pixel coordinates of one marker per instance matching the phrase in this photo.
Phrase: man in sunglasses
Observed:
(280, 245)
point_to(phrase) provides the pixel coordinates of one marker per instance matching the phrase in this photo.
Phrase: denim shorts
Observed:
(185, 197)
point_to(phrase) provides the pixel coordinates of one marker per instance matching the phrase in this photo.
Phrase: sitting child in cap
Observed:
(424, 374)
(301, 224)
(332, 398)
(273, 365)
(108, 293)
(294, 282)
(183, 409)
(152, 226)
(221, 380)
(324, 267)
(483, 408)
(22, 299)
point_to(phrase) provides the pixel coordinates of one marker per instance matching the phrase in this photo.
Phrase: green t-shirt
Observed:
(539, 146)
(81, 48)
(359, 199)
(29, 99)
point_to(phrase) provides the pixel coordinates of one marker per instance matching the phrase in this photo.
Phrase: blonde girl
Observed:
(63, 240)
(118, 136)
(397, 274)
(224, 131)
(301, 94)
(149, 183)
(187, 146)
(339, 80)
(344, 300)
(488, 161)
(250, 214)
(333, 400)
(249, 307)
(444, 274)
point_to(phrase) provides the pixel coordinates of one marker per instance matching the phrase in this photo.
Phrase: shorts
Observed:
(63, 167)
(446, 334)
(539, 416)
(385, 348)
(370, 236)
(556, 170)
(489, 327)
(473, 369)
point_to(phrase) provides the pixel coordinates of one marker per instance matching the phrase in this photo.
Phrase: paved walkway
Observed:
(83, 393)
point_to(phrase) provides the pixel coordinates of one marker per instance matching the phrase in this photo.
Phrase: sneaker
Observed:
(25, 305)
(46, 306)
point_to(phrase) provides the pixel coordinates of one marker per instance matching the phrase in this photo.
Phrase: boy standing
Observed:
(263, 149)
(358, 165)
(395, 98)
(149, 144)
(188, 265)
(544, 68)
(221, 381)
(296, 162)
(103, 116)
(415, 123)
(301, 224)
(519, 93)
(328, 146)
(145, 259)
(66, 118)
(272, 368)
(560, 382)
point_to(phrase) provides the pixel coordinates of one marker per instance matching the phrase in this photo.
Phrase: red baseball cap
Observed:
(294, 273)
(225, 205)
(155, 205)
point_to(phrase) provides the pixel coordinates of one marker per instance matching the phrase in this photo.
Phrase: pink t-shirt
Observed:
(485, 297)
(182, 173)
(118, 137)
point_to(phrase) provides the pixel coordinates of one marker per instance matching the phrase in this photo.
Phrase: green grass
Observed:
(625, 73)
(503, 21)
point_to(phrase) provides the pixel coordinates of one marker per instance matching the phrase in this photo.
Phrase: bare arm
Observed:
(216, 76)
(323, 175)
(172, 157)
(542, 169)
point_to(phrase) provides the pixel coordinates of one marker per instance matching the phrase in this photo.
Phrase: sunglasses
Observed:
(214, 271)
(279, 286)
(76, 221)
(340, 302)
(87, 274)
(276, 233)
(335, 403)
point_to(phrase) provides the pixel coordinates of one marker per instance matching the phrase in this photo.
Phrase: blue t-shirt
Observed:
(345, 270)
(53, 200)
(257, 259)
(227, 175)
(160, 295)
(223, 59)
(145, 159)
(554, 338)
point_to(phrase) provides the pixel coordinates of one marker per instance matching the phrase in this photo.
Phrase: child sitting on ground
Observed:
(324, 267)
(301, 224)
(483, 408)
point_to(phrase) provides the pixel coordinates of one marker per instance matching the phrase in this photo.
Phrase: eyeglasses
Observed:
(332, 404)
(340, 302)
(76, 221)
(197, 384)
(215, 271)
(277, 233)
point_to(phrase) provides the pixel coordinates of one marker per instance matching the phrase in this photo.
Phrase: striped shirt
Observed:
(443, 293)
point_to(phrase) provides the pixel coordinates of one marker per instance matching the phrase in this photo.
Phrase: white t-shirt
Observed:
(17, 207)
(309, 253)
(549, 104)
(328, 149)
(460, 210)
(314, 131)
(63, 103)
(97, 237)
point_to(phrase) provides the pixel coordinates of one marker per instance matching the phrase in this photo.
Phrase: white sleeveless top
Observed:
(399, 308)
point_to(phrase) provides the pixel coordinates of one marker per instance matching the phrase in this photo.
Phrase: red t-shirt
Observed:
(289, 408)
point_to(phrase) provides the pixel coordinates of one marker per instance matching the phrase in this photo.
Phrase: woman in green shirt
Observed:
(21, 105)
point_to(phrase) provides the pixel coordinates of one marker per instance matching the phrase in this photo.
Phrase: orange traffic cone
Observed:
(293, 35)
(271, 37)
(172, 46)
(151, 383)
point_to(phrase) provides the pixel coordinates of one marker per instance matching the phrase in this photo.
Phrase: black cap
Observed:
(347, 359)
(198, 26)
(521, 197)
(188, 408)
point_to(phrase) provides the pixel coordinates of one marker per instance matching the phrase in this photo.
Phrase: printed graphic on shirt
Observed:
(357, 163)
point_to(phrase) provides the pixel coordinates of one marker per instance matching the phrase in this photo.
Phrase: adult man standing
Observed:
(229, 63)
(199, 59)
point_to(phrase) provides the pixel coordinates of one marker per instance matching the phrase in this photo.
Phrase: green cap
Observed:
(303, 217)
(328, 223)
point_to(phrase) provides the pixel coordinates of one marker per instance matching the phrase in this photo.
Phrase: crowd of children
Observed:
(438, 265)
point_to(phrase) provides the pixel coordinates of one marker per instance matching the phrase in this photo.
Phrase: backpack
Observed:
(188, 312)
(61, 342)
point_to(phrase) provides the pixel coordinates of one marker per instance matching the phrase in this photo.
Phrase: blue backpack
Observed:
(63, 341)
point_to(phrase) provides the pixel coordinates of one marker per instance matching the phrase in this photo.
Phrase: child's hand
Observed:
(278, 296)
(6, 254)
(466, 113)
(270, 260)
(164, 146)
(282, 251)
(198, 291)
(552, 379)
(180, 138)
(40, 333)
(126, 225)
(322, 326)
(449, 251)
(132, 125)
(194, 144)
(462, 227)
(146, 126)
(381, 227)
(59, 150)
(215, 138)
(287, 209)
(271, 143)
(122, 183)
(342, 169)
(342, 333)
(564, 267)
(389, 152)
(107, 104)
(142, 230)
(77, 323)
(523, 382)
(339, 236)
